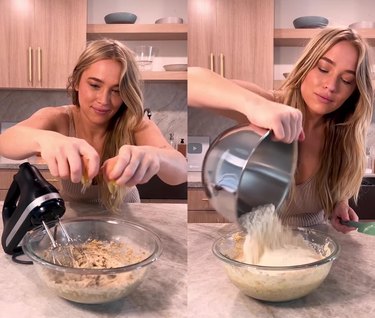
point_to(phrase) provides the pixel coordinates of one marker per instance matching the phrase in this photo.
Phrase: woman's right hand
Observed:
(64, 157)
(243, 103)
(283, 120)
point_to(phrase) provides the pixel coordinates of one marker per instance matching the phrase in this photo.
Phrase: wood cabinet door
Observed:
(6, 179)
(15, 37)
(59, 38)
(239, 35)
(245, 40)
(42, 40)
(201, 33)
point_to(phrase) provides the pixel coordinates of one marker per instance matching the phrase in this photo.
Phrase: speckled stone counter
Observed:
(163, 294)
(347, 292)
(14, 164)
(195, 179)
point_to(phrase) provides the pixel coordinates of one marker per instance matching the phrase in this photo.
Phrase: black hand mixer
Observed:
(31, 201)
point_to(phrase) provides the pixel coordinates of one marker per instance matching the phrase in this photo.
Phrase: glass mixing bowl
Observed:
(277, 283)
(134, 249)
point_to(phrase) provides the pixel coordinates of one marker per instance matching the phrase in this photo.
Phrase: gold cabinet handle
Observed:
(39, 65)
(52, 180)
(222, 64)
(30, 75)
(204, 199)
(212, 62)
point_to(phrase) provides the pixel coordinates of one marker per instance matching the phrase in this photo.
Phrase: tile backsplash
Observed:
(167, 101)
(206, 123)
(5, 125)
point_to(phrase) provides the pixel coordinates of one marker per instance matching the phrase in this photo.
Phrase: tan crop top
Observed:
(72, 191)
(304, 209)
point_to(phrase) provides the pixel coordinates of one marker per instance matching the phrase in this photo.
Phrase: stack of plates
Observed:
(169, 20)
(175, 67)
(362, 25)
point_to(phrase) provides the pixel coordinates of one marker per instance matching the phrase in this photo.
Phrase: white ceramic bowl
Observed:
(277, 283)
(120, 18)
(362, 25)
(175, 67)
(310, 22)
(92, 285)
(169, 20)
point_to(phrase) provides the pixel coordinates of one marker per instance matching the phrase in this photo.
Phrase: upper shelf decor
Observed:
(362, 25)
(300, 37)
(138, 32)
(310, 22)
(169, 20)
(120, 18)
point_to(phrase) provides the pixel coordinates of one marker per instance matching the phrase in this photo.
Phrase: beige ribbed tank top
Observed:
(304, 209)
(72, 191)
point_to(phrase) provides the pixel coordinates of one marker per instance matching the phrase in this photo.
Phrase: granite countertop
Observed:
(163, 294)
(347, 292)
(195, 179)
(14, 164)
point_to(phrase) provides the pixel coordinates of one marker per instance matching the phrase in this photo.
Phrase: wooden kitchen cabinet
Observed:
(42, 40)
(233, 38)
(6, 178)
(199, 209)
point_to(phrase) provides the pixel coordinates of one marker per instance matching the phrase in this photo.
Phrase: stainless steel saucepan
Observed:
(244, 168)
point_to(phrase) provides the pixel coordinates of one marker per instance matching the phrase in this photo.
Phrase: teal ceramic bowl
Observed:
(310, 22)
(120, 18)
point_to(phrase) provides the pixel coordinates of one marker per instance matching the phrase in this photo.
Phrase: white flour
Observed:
(269, 243)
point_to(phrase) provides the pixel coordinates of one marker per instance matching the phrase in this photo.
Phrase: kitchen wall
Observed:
(167, 102)
(206, 123)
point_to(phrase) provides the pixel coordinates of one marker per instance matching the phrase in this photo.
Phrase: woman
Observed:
(331, 97)
(102, 138)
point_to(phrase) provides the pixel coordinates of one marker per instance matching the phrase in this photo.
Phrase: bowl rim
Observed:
(327, 259)
(92, 271)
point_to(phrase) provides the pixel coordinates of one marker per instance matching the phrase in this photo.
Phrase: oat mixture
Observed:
(96, 254)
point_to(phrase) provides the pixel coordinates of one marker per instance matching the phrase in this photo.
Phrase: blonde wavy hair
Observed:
(121, 128)
(343, 156)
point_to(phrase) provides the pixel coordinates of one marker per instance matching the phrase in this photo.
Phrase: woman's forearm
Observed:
(208, 90)
(173, 166)
(21, 142)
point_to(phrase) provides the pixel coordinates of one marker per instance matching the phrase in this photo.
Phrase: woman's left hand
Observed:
(133, 165)
(343, 211)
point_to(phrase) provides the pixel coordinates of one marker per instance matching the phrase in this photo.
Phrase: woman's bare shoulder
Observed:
(148, 133)
(54, 118)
